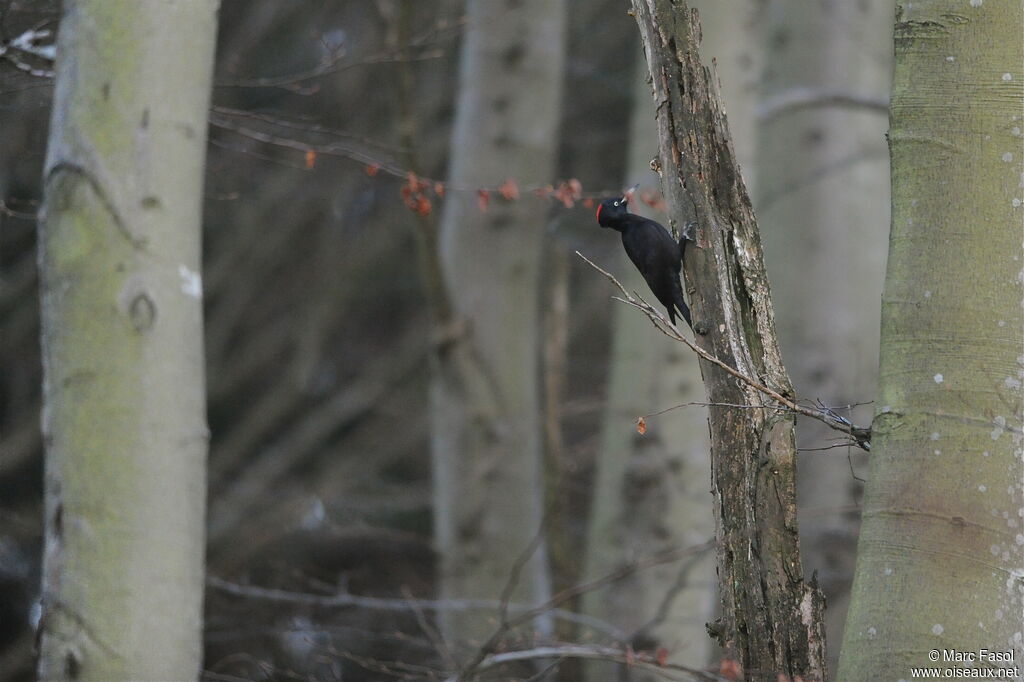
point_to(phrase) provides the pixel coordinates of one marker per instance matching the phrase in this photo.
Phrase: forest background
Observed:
(358, 224)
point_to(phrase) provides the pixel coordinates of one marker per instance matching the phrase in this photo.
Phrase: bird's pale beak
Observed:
(629, 193)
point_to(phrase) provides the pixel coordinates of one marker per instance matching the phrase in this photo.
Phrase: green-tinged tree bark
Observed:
(771, 617)
(823, 208)
(485, 393)
(940, 552)
(124, 419)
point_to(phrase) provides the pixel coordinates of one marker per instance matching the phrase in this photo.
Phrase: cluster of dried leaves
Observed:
(418, 193)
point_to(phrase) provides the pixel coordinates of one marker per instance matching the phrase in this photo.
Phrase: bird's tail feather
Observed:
(683, 309)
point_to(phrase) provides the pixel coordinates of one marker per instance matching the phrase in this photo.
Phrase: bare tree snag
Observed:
(771, 621)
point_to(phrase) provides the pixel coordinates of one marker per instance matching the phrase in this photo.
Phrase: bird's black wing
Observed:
(657, 256)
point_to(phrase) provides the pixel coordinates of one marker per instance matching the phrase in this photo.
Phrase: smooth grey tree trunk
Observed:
(941, 550)
(485, 396)
(124, 413)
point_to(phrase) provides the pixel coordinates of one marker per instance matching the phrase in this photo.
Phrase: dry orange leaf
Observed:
(730, 669)
(310, 158)
(422, 206)
(641, 425)
(509, 190)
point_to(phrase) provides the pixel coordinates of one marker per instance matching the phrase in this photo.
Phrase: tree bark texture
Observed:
(124, 413)
(771, 620)
(940, 552)
(823, 204)
(485, 396)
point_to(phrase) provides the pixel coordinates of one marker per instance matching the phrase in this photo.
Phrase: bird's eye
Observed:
(616, 203)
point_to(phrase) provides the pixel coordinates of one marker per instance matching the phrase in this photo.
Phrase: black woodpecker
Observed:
(653, 251)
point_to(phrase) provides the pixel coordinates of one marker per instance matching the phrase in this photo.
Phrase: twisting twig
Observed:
(346, 600)
(823, 408)
(430, 44)
(641, 661)
(672, 554)
(859, 435)
(568, 192)
(701, 403)
(801, 98)
(23, 215)
(332, 64)
(31, 42)
(435, 637)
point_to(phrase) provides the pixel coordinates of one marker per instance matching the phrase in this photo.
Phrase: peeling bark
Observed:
(771, 620)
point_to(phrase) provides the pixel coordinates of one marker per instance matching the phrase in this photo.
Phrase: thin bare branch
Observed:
(429, 630)
(860, 436)
(10, 212)
(802, 98)
(330, 66)
(674, 554)
(639, 660)
(31, 42)
(338, 60)
(345, 600)
(303, 125)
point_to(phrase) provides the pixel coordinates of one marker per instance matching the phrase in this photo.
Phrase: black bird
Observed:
(653, 251)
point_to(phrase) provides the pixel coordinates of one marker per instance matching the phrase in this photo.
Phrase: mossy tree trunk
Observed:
(940, 552)
(124, 416)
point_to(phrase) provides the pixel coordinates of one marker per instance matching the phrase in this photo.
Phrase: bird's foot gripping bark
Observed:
(688, 233)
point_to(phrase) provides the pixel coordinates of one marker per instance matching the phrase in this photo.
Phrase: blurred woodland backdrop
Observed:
(334, 178)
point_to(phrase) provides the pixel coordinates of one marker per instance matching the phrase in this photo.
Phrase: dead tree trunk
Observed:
(771, 621)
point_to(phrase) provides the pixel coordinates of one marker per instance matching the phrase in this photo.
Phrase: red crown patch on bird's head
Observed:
(598, 214)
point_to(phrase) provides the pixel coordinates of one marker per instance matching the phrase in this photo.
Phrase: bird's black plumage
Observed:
(653, 251)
